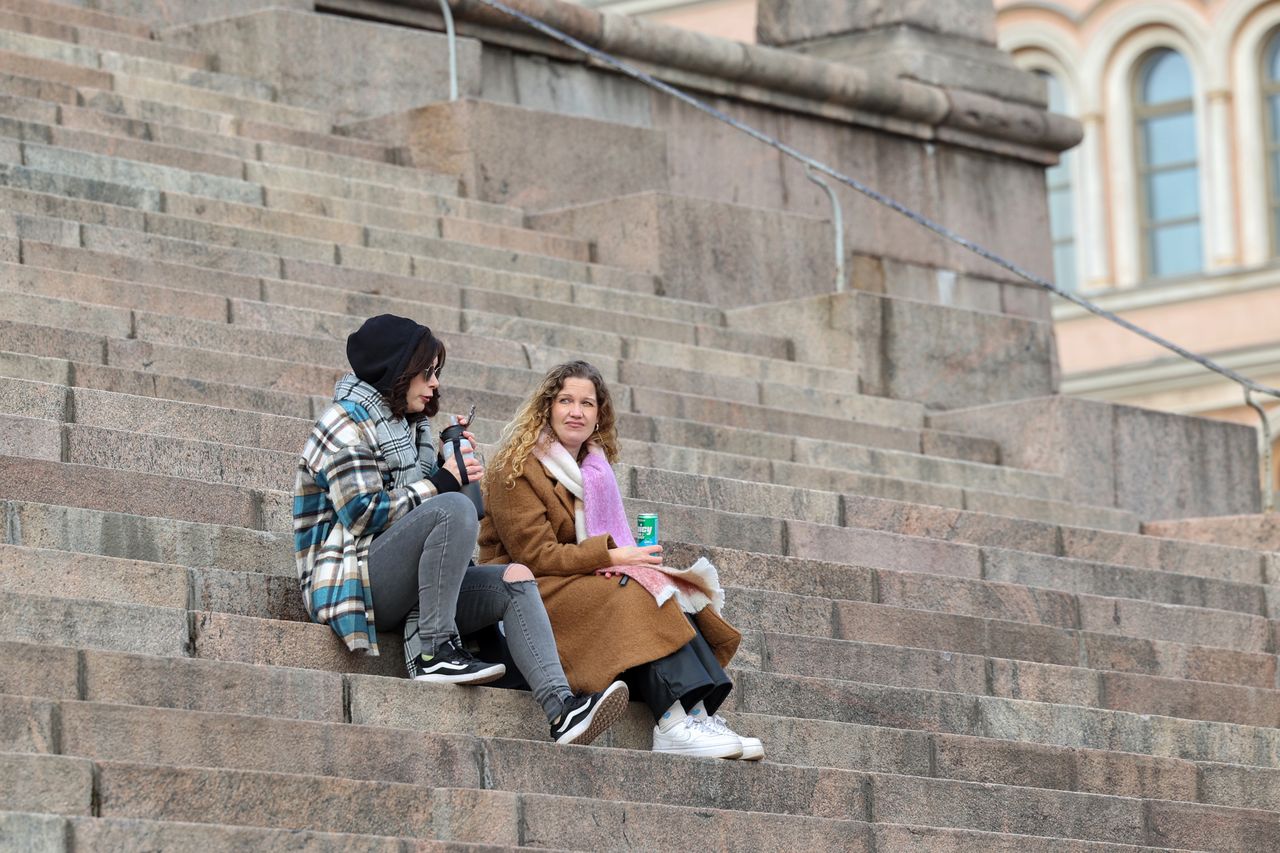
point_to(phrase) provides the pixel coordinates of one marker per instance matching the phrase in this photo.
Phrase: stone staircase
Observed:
(942, 651)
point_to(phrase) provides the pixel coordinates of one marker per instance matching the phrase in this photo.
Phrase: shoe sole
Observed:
(704, 752)
(610, 708)
(752, 754)
(484, 676)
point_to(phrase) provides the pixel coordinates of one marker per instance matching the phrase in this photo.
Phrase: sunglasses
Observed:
(433, 370)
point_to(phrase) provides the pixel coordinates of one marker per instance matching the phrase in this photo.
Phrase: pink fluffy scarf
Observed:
(598, 509)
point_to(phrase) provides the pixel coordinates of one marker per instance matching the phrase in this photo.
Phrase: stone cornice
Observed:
(754, 72)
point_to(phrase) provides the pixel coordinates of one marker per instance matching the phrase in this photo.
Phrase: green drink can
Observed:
(647, 525)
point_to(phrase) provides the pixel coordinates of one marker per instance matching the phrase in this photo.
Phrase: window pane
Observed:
(1053, 89)
(1166, 77)
(1175, 250)
(1061, 224)
(1273, 130)
(1169, 139)
(1064, 265)
(1173, 195)
(1273, 58)
(1275, 176)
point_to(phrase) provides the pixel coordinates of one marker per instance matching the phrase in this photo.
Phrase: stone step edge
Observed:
(124, 28)
(485, 743)
(389, 166)
(56, 830)
(1078, 634)
(870, 776)
(763, 637)
(497, 700)
(264, 281)
(93, 18)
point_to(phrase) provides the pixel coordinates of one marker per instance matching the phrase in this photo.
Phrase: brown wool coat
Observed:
(601, 628)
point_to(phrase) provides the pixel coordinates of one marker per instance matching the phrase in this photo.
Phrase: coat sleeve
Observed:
(350, 475)
(520, 519)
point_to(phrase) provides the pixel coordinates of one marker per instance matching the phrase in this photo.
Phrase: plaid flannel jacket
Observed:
(342, 497)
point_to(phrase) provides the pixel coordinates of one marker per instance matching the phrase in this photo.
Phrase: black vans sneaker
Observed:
(450, 663)
(585, 718)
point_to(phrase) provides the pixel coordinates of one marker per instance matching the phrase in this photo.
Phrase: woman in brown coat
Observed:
(549, 493)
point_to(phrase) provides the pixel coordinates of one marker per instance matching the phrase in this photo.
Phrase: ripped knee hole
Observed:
(517, 572)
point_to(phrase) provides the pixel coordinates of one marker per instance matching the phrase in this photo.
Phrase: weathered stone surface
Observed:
(915, 351)
(204, 685)
(45, 572)
(52, 784)
(705, 251)
(37, 833)
(483, 142)
(1151, 463)
(262, 799)
(177, 837)
(38, 670)
(94, 624)
(226, 637)
(1254, 532)
(352, 69)
(27, 725)
(783, 23)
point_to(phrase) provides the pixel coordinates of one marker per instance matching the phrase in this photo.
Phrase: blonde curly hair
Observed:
(534, 420)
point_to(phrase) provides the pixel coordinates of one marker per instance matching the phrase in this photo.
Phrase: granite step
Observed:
(106, 733)
(508, 714)
(942, 803)
(1015, 549)
(82, 17)
(169, 63)
(100, 132)
(51, 23)
(67, 834)
(108, 112)
(318, 803)
(61, 673)
(896, 619)
(784, 635)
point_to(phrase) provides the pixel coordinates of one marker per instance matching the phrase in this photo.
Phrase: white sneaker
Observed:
(693, 737)
(752, 747)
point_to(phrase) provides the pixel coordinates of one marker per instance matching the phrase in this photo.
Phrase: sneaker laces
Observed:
(718, 724)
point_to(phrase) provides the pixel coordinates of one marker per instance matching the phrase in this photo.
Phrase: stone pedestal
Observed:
(940, 356)
(948, 43)
(1155, 464)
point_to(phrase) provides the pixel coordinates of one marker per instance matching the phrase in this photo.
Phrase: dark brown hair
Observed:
(430, 350)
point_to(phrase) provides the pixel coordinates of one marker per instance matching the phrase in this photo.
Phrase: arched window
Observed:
(1062, 213)
(1271, 107)
(1168, 167)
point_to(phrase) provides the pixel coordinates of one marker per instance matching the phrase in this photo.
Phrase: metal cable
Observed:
(920, 219)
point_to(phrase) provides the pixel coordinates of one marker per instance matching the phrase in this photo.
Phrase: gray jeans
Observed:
(420, 563)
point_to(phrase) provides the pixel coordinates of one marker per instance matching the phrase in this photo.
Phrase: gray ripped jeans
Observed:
(421, 563)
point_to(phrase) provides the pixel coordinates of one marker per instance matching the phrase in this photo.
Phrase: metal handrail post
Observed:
(452, 38)
(837, 219)
(1268, 488)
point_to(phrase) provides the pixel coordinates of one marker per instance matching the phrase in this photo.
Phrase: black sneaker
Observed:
(585, 718)
(450, 663)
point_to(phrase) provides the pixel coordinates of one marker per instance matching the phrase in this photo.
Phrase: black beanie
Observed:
(380, 349)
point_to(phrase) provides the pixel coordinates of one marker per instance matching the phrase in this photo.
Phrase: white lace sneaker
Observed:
(693, 737)
(752, 747)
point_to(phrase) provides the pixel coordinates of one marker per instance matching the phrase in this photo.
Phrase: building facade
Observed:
(1168, 212)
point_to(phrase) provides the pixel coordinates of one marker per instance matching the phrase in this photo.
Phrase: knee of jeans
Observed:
(459, 508)
(517, 573)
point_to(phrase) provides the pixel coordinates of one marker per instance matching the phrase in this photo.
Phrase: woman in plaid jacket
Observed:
(379, 520)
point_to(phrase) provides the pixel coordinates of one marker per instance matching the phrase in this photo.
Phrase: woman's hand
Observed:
(638, 555)
(474, 469)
